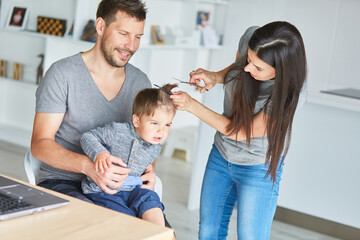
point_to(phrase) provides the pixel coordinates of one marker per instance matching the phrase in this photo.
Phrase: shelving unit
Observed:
(17, 100)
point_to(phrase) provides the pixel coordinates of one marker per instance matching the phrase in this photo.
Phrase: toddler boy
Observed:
(137, 144)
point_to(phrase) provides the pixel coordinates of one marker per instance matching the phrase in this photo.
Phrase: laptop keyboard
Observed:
(9, 204)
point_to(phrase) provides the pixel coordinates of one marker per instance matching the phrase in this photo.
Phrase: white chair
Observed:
(32, 167)
(181, 139)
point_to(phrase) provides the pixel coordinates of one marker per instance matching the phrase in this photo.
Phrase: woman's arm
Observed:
(219, 122)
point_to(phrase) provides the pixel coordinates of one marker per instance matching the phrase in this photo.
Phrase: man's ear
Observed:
(100, 26)
(135, 120)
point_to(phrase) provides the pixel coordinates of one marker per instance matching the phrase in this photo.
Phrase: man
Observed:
(85, 91)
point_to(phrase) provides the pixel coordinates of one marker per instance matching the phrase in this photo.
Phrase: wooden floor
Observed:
(175, 175)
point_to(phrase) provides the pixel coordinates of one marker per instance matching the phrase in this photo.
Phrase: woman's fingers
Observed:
(181, 100)
(202, 78)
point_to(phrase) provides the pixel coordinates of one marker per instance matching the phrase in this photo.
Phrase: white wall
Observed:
(345, 46)
(322, 169)
(321, 174)
(17, 105)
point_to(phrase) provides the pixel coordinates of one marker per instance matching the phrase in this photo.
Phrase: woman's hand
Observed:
(210, 79)
(182, 100)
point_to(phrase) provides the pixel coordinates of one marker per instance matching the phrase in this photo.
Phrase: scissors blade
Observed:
(167, 91)
(181, 81)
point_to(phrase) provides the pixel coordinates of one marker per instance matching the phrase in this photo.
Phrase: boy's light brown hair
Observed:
(149, 99)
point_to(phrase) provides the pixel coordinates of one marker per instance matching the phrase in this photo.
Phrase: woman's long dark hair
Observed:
(280, 45)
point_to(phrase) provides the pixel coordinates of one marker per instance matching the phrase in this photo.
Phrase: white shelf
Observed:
(90, 44)
(315, 96)
(175, 47)
(43, 36)
(31, 33)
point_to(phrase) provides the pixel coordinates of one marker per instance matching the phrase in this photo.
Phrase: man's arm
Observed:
(44, 148)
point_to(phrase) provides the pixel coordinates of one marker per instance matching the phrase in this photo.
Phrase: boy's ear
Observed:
(135, 120)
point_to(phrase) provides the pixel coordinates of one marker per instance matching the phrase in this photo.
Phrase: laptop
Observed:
(17, 199)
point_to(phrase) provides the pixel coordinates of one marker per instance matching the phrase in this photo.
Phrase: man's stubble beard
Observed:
(108, 54)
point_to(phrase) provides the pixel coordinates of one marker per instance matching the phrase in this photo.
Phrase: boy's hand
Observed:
(102, 162)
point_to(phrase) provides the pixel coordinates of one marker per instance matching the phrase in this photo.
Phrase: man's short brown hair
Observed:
(107, 9)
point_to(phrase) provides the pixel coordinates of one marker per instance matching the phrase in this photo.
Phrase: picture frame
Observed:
(202, 19)
(17, 17)
(156, 35)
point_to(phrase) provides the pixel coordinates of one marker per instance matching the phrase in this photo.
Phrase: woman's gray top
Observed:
(238, 152)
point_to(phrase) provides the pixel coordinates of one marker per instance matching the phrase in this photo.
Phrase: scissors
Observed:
(167, 91)
(190, 83)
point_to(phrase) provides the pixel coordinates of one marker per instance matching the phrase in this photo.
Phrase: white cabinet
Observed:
(160, 63)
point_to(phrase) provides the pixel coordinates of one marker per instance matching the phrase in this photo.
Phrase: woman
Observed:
(262, 90)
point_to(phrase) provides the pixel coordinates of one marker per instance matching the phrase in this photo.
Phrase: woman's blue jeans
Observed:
(226, 184)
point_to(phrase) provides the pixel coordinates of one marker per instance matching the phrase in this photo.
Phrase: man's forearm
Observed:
(53, 154)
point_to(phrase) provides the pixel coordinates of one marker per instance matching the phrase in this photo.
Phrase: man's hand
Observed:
(112, 178)
(149, 178)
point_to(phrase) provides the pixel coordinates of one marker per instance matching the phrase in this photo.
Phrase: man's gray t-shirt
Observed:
(69, 88)
(239, 152)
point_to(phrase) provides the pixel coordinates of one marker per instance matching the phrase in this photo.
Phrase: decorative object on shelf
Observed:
(17, 71)
(89, 32)
(17, 17)
(51, 26)
(71, 30)
(3, 68)
(39, 73)
(202, 19)
(156, 35)
(209, 37)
